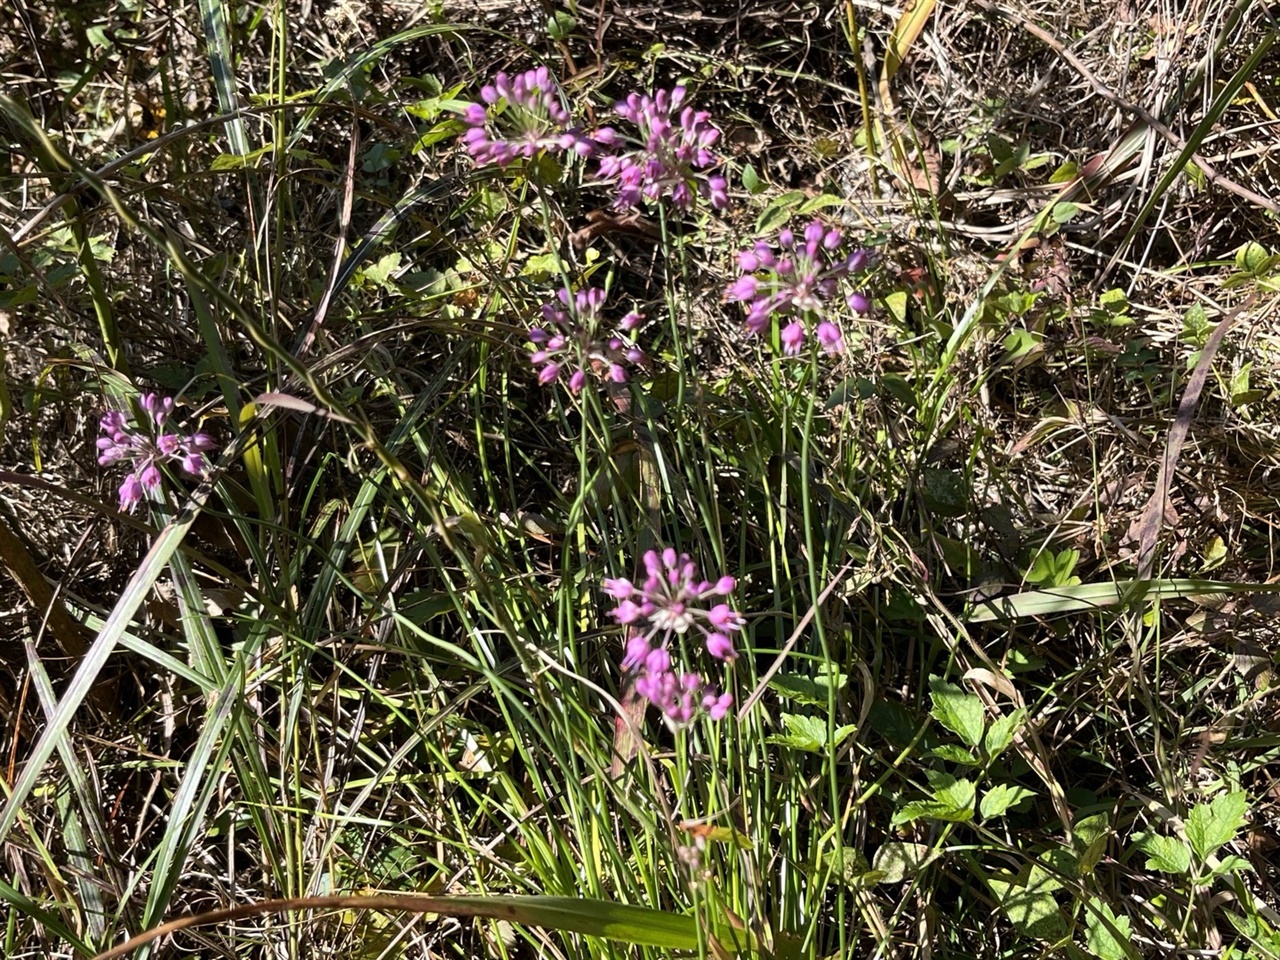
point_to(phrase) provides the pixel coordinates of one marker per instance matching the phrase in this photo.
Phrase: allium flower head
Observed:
(147, 444)
(673, 154)
(572, 339)
(534, 120)
(797, 276)
(672, 600)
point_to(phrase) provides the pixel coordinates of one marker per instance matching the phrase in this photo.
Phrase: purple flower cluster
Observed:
(796, 280)
(673, 153)
(572, 340)
(673, 599)
(534, 120)
(670, 156)
(146, 446)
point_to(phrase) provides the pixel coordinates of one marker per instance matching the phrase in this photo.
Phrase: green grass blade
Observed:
(131, 598)
(1093, 596)
(213, 15)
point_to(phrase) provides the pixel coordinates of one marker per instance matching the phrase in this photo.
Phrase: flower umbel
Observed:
(672, 600)
(674, 152)
(572, 340)
(534, 120)
(149, 444)
(796, 280)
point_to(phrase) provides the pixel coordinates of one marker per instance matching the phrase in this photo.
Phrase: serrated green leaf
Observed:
(1230, 864)
(1001, 732)
(1166, 854)
(1031, 908)
(379, 273)
(542, 265)
(997, 800)
(1106, 934)
(898, 861)
(930, 810)
(808, 690)
(958, 710)
(955, 753)
(959, 795)
(1210, 825)
(892, 721)
(809, 733)
(1091, 835)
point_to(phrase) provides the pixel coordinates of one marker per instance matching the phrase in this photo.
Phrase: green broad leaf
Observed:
(892, 721)
(443, 130)
(997, 801)
(959, 795)
(1001, 732)
(955, 753)
(1112, 309)
(1252, 258)
(896, 862)
(561, 24)
(1106, 934)
(1065, 173)
(751, 180)
(820, 202)
(1031, 908)
(543, 265)
(1090, 835)
(1166, 854)
(1196, 326)
(1064, 212)
(1229, 865)
(945, 492)
(1019, 343)
(808, 690)
(930, 810)
(1215, 553)
(897, 304)
(379, 273)
(779, 211)
(1210, 825)
(803, 733)
(958, 710)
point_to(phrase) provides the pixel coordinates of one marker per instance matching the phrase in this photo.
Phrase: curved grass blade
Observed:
(1094, 596)
(619, 922)
(131, 598)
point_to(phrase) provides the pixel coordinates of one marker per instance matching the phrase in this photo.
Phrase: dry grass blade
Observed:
(14, 557)
(1153, 516)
